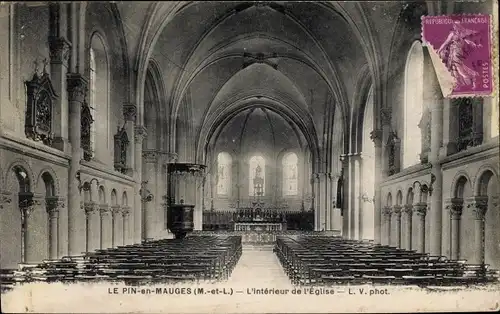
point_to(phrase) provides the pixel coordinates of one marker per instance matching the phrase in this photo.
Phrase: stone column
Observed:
(139, 135)
(434, 99)
(421, 210)
(376, 136)
(77, 88)
(148, 208)
(407, 210)
(354, 196)
(396, 211)
(455, 207)
(105, 227)
(315, 201)
(129, 115)
(53, 204)
(387, 212)
(125, 215)
(91, 209)
(479, 204)
(116, 213)
(28, 203)
(345, 195)
(59, 55)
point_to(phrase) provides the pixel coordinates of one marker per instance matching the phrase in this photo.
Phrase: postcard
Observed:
(249, 157)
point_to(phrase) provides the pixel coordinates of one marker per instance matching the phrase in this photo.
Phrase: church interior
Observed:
(155, 141)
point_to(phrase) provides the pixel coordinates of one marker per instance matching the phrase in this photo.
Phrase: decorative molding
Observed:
(76, 87)
(387, 212)
(140, 133)
(104, 209)
(386, 116)
(129, 112)
(420, 209)
(90, 208)
(40, 98)
(59, 50)
(54, 203)
(455, 206)
(125, 211)
(407, 209)
(150, 155)
(270, 59)
(479, 205)
(116, 210)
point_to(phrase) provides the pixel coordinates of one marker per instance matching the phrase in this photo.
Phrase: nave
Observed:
(313, 260)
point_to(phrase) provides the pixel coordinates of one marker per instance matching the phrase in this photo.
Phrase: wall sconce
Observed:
(365, 198)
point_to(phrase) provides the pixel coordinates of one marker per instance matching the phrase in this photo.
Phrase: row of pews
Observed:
(321, 260)
(192, 259)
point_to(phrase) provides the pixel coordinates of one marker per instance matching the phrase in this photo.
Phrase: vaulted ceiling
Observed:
(302, 56)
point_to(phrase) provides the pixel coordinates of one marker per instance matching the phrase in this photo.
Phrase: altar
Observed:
(258, 226)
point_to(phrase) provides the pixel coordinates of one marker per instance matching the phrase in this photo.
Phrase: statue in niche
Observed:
(425, 129)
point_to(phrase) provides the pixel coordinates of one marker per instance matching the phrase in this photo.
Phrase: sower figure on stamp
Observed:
(455, 50)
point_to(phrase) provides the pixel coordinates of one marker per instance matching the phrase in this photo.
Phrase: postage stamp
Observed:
(461, 51)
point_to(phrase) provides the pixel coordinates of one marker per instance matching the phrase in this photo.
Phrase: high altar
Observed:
(255, 218)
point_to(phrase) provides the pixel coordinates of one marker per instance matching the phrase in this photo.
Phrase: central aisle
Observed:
(259, 267)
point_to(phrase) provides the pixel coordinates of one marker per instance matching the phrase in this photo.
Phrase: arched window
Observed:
(257, 176)
(413, 103)
(224, 162)
(92, 83)
(99, 98)
(290, 174)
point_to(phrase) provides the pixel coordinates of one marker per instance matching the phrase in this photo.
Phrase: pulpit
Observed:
(181, 196)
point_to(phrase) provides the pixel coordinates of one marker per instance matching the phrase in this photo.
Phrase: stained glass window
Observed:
(290, 174)
(223, 173)
(257, 176)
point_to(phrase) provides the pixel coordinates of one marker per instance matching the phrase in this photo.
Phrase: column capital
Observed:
(396, 210)
(125, 211)
(140, 133)
(90, 208)
(59, 50)
(455, 206)
(129, 112)
(54, 203)
(77, 87)
(420, 209)
(116, 210)
(104, 209)
(386, 115)
(387, 211)
(376, 137)
(407, 209)
(479, 204)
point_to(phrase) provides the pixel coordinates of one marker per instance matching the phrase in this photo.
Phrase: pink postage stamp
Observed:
(461, 51)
